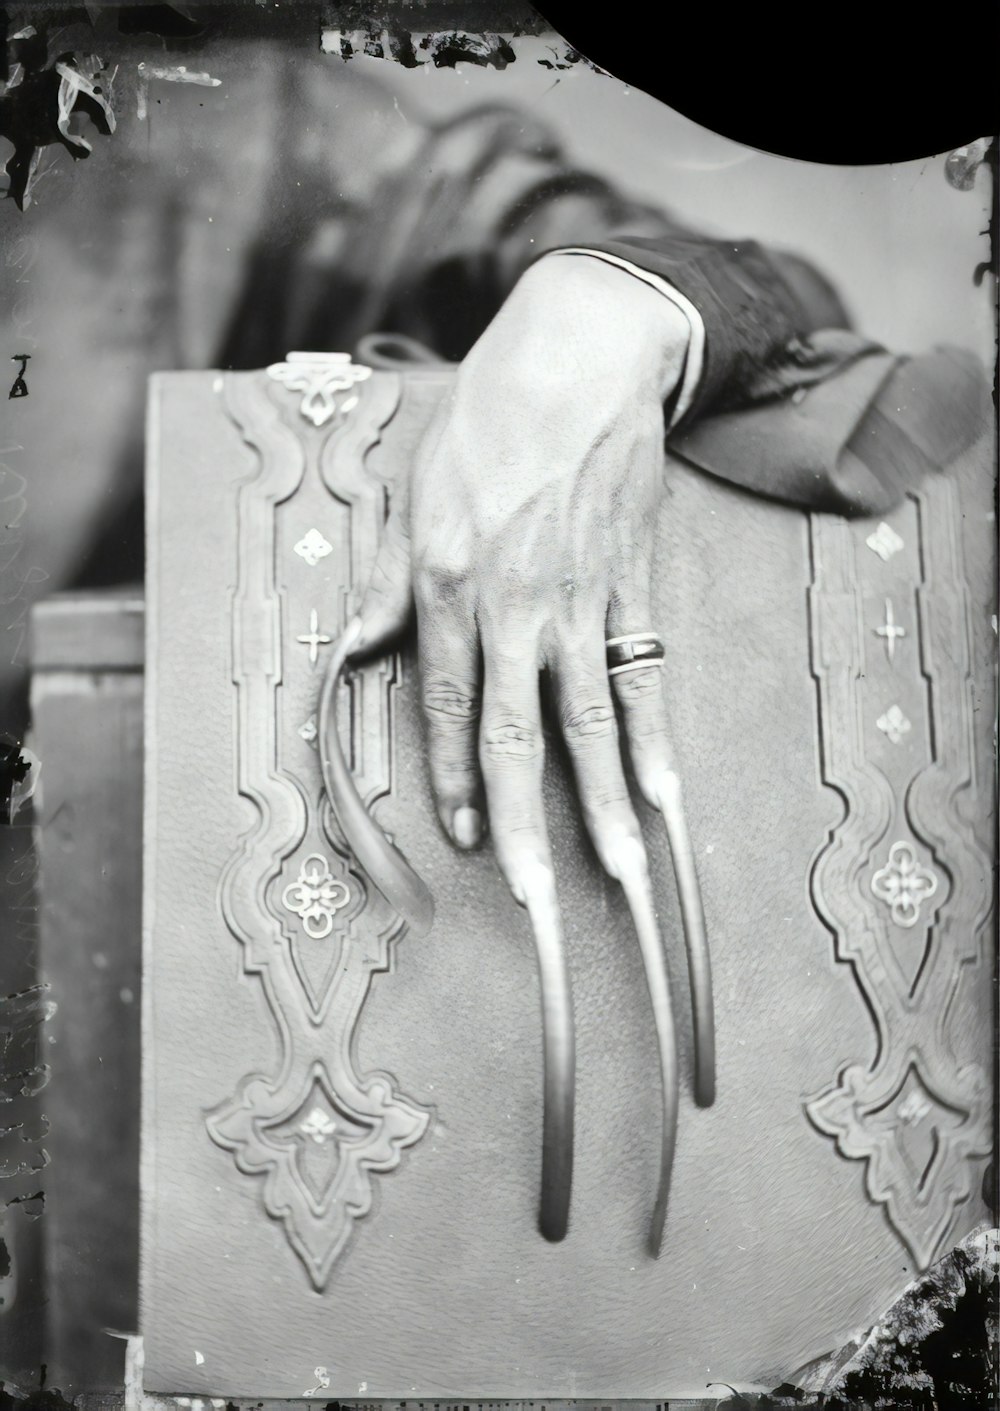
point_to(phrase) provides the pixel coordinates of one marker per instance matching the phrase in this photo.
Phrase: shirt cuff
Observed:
(696, 341)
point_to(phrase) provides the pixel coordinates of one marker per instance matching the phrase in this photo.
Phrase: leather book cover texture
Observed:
(341, 1133)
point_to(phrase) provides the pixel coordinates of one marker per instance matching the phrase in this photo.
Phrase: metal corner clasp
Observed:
(320, 377)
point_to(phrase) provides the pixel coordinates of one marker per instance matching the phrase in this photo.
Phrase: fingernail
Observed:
(666, 790)
(626, 857)
(534, 881)
(466, 827)
(530, 881)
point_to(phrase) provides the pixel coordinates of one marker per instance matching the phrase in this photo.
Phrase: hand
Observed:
(526, 541)
(525, 538)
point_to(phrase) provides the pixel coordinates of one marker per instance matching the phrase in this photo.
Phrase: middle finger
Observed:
(512, 755)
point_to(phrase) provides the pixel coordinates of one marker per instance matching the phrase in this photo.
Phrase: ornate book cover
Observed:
(341, 1131)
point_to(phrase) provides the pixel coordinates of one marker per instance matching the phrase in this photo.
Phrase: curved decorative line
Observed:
(318, 1231)
(842, 862)
(864, 1111)
(843, 1113)
(281, 809)
(317, 1228)
(388, 869)
(319, 376)
(932, 798)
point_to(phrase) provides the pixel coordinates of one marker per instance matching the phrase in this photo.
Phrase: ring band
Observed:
(633, 651)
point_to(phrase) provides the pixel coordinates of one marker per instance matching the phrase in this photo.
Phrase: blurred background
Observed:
(135, 259)
(247, 150)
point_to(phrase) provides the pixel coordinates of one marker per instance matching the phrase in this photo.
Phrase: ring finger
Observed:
(640, 693)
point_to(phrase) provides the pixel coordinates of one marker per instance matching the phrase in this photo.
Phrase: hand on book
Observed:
(525, 538)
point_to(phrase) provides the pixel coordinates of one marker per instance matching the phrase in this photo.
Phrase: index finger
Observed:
(512, 757)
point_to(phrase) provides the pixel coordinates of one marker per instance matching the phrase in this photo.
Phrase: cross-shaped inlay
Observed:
(314, 638)
(890, 630)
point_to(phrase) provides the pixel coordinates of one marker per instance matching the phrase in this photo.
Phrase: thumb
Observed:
(388, 598)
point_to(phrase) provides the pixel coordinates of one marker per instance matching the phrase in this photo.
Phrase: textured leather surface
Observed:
(773, 1251)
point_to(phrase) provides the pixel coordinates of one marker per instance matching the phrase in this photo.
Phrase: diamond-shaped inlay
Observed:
(894, 724)
(884, 541)
(312, 547)
(309, 730)
(904, 885)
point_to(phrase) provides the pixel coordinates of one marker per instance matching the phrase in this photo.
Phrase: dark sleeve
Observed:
(794, 405)
(791, 403)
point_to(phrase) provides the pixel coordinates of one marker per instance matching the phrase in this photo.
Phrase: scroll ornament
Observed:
(917, 1116)
(315, 1131)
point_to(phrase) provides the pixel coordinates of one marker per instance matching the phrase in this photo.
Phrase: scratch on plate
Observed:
(178, 73)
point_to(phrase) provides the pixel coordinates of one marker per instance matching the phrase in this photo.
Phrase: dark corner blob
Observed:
(441, 33)
(18, 776)
(858, 87)
(42, 103)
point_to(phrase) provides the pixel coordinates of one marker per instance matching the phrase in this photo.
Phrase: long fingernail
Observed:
(467, 827)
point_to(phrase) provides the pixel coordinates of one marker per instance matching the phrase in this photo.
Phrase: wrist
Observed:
(623, 322)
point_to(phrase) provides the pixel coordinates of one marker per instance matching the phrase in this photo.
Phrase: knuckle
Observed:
(607, 802)
(453, 787)
(586, 722)
(511, 741)
(442, 577)
(447, 701)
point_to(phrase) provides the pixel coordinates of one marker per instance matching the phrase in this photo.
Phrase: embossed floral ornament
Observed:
(894, 724)
(903, 884)
(315, 897)
(318, 1125)
(319, 376)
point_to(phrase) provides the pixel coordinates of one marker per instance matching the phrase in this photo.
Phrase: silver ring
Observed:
(633, 651)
